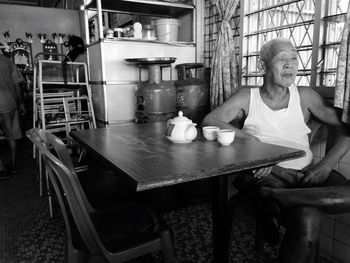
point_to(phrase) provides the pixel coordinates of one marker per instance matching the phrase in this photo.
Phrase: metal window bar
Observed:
(278, 28)
(299, 48)
(335, 18)
(272, 7)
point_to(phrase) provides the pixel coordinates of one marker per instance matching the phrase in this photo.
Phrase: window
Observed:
(266, 20)
(332, 24)
(312, 25)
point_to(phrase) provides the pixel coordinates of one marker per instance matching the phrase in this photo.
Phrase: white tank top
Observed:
(285, 127)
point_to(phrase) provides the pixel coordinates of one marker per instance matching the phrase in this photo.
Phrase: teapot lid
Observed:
(180, 119)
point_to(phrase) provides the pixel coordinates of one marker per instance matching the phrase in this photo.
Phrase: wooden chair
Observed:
(116, 234)
(240, 197)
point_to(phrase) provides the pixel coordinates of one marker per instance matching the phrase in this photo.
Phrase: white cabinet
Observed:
(113, 81)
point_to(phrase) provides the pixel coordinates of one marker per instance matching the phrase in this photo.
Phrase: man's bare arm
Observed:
(327, 114)
(235, 108)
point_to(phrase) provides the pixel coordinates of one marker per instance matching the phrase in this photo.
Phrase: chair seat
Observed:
(106, 188)
(125, 226)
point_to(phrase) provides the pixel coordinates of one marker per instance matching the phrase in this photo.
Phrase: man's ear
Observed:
(261, 66)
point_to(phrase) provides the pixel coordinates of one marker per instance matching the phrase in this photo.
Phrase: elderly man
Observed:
(277, 113)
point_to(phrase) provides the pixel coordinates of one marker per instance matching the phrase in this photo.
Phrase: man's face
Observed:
(283, 67)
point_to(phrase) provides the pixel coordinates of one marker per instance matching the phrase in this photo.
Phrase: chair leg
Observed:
(49, 194)
(48, 191)
(168, 252)
(40, 161)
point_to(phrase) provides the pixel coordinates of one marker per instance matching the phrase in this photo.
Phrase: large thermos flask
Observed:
(192, 94)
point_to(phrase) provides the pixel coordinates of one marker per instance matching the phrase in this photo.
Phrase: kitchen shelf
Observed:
(97, 18)
(113, 81)
(156, 8)
(155, 41)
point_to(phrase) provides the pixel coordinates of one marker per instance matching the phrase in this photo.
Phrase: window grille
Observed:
(266, 20)
(333, 24)
(294, 19)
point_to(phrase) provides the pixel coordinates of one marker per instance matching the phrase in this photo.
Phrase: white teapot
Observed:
(181, 129)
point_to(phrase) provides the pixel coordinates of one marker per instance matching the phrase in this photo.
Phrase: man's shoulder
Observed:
(241, 95)
(241, 98)
(307, 92)
(309, 99)
(244, 92)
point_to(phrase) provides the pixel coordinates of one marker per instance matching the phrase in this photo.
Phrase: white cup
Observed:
(209, 132)
(226, 136)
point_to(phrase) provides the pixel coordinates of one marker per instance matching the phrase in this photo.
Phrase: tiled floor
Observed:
(27, 234)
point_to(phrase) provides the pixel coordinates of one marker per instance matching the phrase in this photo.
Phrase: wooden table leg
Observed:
(220, 220)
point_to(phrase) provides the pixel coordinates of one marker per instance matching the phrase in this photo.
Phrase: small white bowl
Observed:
(226, 136)
(209, 132)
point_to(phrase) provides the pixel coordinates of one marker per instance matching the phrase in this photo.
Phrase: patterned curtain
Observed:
(342, 87)
(224, 79)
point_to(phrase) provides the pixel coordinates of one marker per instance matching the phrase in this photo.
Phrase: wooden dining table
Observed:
(145, 154)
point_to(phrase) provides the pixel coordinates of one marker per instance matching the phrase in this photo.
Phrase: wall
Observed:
(21, 19)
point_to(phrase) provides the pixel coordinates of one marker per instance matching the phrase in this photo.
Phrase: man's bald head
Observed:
(272, 47)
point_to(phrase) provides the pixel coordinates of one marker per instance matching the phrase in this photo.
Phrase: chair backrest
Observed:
(53, 143)
(315, 126)
(68, 189)
(60, 149)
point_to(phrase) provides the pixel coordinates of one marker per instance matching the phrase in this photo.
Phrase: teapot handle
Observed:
(169, 128)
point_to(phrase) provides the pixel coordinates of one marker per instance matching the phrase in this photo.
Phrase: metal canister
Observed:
(192, 94)
(155, 98)
(155, 101)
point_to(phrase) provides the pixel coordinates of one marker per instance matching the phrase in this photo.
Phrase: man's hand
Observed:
(21, 109)
(315, 174)
(262, 172)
